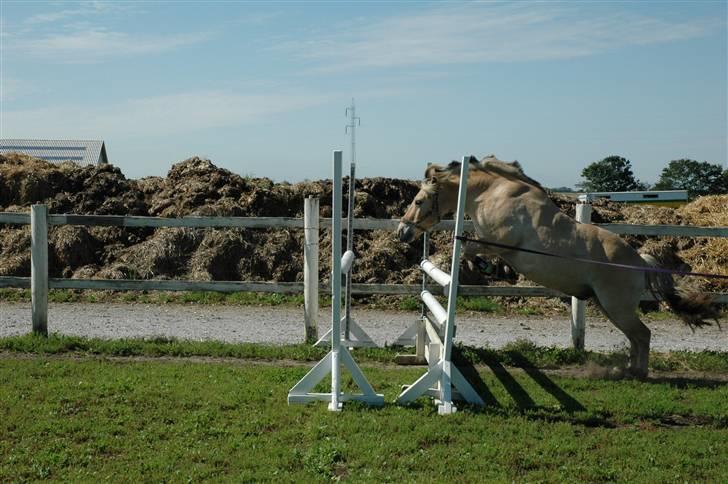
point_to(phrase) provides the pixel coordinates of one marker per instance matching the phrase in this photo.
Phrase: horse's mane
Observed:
(489, 164)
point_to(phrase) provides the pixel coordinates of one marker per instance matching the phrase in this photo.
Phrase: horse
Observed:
(507, 207)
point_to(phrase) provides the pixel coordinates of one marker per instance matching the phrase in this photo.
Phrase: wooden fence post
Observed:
(578, 319)
(39, 268)
(311, 230)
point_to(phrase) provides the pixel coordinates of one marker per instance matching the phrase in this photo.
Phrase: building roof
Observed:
(83, 152)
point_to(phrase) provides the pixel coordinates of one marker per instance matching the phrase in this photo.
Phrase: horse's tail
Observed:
(693, 307)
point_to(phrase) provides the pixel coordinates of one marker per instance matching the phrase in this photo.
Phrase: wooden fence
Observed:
(39, 282)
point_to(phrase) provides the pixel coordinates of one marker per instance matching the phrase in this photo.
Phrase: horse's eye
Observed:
(418, 202)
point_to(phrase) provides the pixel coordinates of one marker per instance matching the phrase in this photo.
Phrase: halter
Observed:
(434, 210)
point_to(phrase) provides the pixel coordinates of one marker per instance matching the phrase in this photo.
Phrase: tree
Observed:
(698, 178)
(562, 189)
(612, 174)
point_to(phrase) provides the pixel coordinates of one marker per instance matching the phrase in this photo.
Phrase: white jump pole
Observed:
(444, 374)
(339, 354)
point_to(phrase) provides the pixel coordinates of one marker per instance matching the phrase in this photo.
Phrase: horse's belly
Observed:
(560, 277)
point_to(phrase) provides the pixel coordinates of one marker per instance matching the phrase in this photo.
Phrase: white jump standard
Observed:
(354, 335)
(339, 354)
(442, 373)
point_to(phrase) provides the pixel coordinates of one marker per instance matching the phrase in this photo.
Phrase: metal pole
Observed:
(311, 268)
(349, 246)
(39, 268)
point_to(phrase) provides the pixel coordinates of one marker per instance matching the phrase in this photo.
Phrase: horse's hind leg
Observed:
(622, 312)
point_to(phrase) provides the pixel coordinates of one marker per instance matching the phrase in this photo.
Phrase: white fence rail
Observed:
(39, 258)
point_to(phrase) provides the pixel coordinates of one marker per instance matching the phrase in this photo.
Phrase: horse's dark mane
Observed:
(493, 165)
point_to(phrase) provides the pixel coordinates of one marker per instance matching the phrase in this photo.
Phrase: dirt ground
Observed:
(284, 325)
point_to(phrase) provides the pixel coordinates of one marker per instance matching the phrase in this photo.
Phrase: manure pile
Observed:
(198, 187)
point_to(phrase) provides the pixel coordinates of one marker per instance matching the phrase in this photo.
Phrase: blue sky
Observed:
(261, 88)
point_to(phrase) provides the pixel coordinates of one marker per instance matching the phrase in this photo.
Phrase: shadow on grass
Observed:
(570, 410)
(686, 382)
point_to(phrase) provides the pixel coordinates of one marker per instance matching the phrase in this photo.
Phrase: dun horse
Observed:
(508, 207)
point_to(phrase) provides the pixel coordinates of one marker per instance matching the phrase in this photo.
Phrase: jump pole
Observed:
(443, 374)
(339, 354)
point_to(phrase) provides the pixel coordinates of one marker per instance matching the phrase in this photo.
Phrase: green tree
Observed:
(698, 178)
(612, 174)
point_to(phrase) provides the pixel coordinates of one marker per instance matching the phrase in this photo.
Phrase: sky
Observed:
(261, 88)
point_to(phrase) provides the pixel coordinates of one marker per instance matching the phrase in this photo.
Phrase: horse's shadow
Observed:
(568, 409)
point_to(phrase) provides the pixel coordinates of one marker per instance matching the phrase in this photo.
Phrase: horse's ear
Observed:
(430, 172)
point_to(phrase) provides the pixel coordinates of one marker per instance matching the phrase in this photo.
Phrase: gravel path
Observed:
(282, 325)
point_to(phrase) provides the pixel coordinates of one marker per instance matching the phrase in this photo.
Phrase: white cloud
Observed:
(492, 32)
(176, 114)
(96, 44)
(81, 9)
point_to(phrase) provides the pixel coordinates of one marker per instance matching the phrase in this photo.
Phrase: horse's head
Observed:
(429, 205)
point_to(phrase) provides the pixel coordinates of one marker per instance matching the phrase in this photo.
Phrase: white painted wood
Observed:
(336, 284)
(578, 306)
(311, 268)
(346, 262)
(14, 218)
(439, 276)
(39, 268)
(173, 285)
(455, 265)
(289, 287)
(666, 230)
(441, 373)
(192, 222)
(359, 223)
(339, 354)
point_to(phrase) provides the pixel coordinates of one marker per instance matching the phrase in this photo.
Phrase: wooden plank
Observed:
(291, 287)
(666, 230)
(14, 218)
(191, 222)
(578, 307)
(15, 282)
(39, 268)
(311, 269)
(156, 285)
(293, 222)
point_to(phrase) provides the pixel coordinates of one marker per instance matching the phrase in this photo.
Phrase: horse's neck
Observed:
(478, 184)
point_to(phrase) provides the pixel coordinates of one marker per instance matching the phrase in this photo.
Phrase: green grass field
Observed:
(72, 411)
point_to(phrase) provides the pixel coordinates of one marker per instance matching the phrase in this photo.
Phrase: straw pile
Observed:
(198, 187)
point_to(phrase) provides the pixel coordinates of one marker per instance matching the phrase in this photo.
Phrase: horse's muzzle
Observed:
(406, 232)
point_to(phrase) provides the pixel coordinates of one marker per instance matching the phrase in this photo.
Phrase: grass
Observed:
(519, 353)
(403, 303)
(91, 419)
(160, 297)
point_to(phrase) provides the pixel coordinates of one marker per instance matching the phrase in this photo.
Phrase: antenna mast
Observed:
(354, 121)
